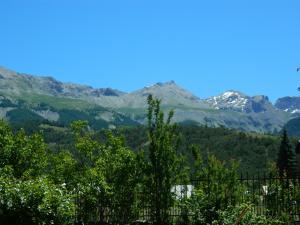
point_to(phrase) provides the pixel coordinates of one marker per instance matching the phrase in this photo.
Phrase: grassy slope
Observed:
(57, 102)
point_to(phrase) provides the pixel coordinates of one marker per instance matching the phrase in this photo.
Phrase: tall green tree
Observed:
(161, 169)
(118, 164)
(107, 176)
(286, 162)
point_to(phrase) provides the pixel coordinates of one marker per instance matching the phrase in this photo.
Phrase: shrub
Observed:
(243, 215)
(35, 202)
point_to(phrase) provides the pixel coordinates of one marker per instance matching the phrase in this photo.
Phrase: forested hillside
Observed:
(254, 152)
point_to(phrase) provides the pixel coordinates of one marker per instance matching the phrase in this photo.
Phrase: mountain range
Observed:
(25, 97)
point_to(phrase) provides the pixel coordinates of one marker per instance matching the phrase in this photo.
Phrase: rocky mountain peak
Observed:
(231, 108)
(163, 84)
(229, 100)
(237, 101)
(171, 82)
(169, 92)
(289, 104)
(107, 92)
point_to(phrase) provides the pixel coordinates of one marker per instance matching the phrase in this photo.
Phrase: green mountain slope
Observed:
(110, 107)
(59, 112)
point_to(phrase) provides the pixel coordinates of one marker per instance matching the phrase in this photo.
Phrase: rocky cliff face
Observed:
(289, 104)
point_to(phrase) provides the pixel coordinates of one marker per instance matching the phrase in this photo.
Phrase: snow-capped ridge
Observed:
(229, 100)
(238, 101)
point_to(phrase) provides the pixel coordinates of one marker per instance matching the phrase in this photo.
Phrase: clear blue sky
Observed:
(205, 46)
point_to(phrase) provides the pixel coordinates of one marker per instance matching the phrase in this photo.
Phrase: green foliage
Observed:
(243, 215)
(26, 155)
(34, 202)
(286, 161)
(26, 196)
(252, 151)
(79, 127)
(217, 188)
(222, 186)
(161, 170)
(67, 116)
(4, 102)
(118, 165)
(56, 102)
(43, 106)
(106, 175)
(22, 115)
(62, 169)
(284, 194)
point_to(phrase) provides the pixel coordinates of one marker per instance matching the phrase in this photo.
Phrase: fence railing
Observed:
(273, 195)
(269, 195)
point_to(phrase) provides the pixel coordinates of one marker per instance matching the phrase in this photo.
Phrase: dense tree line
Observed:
(254, 152)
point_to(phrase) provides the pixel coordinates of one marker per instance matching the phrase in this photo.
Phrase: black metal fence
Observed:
(273, 195)
(269, 195)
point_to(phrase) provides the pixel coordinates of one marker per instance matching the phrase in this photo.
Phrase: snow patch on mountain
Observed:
(229, 100)
(295, 111)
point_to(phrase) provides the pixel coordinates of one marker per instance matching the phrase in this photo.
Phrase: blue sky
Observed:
(205, 46)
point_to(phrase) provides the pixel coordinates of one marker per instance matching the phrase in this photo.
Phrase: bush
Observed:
(216, 189)
(35, 202)
(243, 215)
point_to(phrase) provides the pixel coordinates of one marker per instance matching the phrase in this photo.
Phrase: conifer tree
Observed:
(286, 162)
(298, 157)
